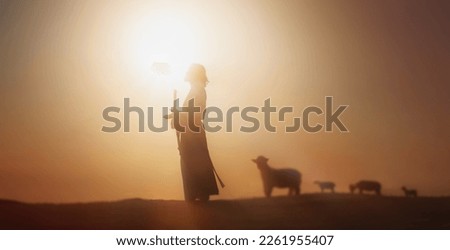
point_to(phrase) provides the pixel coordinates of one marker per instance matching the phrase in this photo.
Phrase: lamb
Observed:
(410, 192)
(366, 186)
(326, 185)
(283, 178)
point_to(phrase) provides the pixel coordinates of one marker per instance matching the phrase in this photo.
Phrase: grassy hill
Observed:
(309, 211)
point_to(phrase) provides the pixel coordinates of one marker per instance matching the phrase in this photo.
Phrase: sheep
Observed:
(410, 192)
(283, 178)
(326, 185)
(366, 186)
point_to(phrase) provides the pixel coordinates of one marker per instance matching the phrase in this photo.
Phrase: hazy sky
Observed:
(63, 62)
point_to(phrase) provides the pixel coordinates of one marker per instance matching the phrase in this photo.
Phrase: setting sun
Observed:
(169, 37)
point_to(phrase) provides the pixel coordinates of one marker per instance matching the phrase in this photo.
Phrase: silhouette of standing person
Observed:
(197, 169)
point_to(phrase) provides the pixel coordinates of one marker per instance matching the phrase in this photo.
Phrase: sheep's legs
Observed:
(268, 191)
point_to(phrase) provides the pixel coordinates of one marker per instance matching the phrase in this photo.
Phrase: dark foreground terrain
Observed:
(309, 211)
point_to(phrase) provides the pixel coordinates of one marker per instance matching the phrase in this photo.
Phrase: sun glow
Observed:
(166, 37)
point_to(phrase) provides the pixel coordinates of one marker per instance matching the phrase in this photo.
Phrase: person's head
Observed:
(196, 75)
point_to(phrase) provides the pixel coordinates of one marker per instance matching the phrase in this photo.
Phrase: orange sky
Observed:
(62, 63)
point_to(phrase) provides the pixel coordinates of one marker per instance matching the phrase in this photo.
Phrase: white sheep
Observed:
(282, 178)
(326, 185)
(374, 186)
(410, 192)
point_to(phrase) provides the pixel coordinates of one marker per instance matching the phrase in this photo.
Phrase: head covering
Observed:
(196, 72)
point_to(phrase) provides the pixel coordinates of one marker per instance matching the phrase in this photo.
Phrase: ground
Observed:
(309, 211)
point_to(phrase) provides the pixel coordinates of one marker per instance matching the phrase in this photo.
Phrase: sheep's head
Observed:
(261, 162)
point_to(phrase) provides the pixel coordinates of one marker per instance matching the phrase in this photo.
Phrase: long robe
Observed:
(196, 165)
